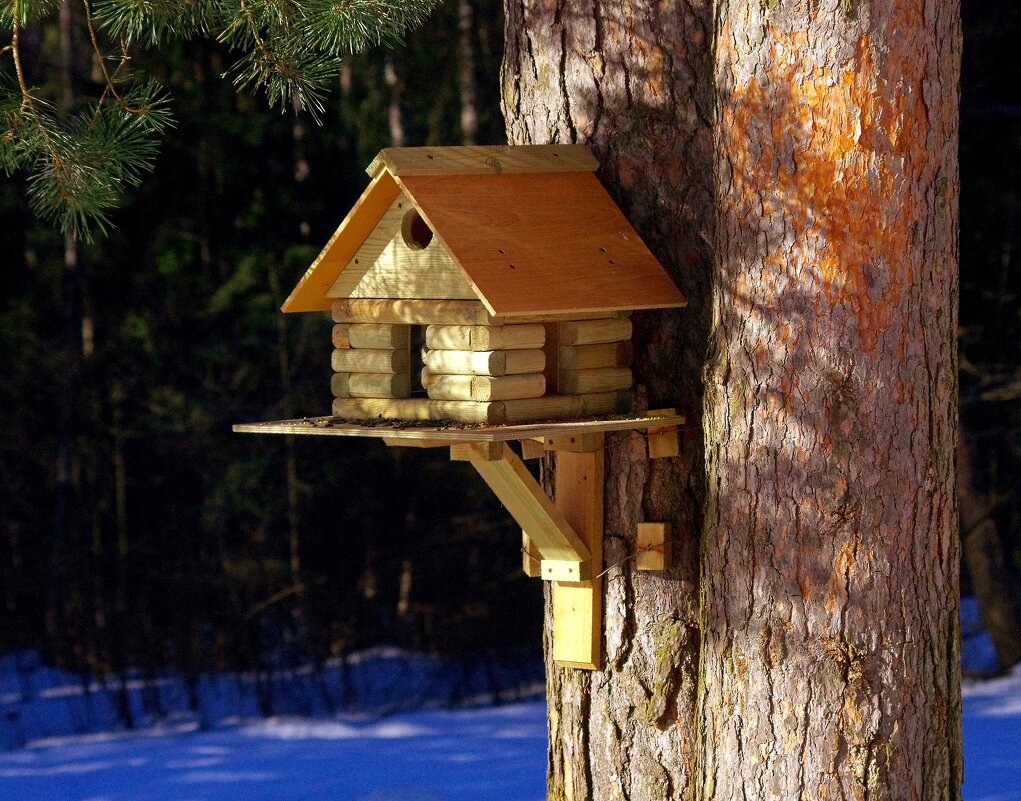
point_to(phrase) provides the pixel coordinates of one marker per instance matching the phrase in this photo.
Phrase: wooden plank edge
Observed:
(306, 295)
(490, 433)
(483, 160)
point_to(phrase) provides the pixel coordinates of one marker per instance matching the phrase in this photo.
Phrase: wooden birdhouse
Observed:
(483, 285)
(481, 296)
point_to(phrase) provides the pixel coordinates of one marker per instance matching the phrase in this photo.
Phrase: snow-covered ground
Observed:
(992, 739)
(490, 754)
(495, 754)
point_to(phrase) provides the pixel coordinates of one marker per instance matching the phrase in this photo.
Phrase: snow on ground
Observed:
(495, 754)
(992, 739)
(492, 754)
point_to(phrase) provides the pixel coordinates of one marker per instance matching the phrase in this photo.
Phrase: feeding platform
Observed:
(481, 296)
(561, 538)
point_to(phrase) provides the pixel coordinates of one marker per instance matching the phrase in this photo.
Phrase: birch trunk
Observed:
(635, 84)
(831, 556)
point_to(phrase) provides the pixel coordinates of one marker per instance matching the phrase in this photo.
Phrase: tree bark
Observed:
(466, 70)
(635, 84)
(992, 580)
(830, 657)
(829, 653)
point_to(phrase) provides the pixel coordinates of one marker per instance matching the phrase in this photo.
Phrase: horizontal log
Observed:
(418, 409)
(589, 332)
(369, 361)
(553, 407)
(589, 357)
(482, 337)
(485, 388)
(371, 385)
(493, 362)
(444, 312)
(412, 312)
(385, 336)
(521, 319)
(490, 413)
(341, 336)
(600, 379)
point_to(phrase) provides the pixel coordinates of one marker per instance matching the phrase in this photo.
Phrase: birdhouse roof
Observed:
(530, 226)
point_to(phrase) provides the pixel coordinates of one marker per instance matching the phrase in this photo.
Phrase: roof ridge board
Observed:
(483, 160)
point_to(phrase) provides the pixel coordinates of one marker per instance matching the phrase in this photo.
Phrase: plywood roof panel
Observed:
(535, 243)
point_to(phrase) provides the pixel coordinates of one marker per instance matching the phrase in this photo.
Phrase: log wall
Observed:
(512, 372)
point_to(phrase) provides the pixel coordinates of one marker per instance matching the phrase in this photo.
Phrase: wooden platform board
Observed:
(394, 431)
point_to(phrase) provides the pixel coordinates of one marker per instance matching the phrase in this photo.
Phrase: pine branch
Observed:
(80, 167)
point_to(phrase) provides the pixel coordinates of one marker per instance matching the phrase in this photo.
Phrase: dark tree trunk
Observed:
(635, 84)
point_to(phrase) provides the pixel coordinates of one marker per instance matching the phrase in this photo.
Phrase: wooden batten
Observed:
(589, 357)
(484, 388)
(378, 335)
(601, 379)
(481, 337)
(493, 363)
(341, 336)
(411, 312)
(654, 550)
(531, 559)
(528, 504)
(588, 332)
(369, 361)
(370, 385)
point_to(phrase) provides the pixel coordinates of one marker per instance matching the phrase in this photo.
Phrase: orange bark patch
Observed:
(836, 147)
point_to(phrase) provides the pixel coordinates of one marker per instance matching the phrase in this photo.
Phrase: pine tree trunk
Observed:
(466, 70)
(635, 84)
(992, 580)
(830, 658)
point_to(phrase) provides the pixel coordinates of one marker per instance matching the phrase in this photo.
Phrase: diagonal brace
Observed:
(564, 556)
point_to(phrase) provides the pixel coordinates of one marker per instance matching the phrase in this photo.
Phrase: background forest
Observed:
(136, 530)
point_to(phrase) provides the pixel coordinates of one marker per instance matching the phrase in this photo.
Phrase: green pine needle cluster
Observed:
(80, 165)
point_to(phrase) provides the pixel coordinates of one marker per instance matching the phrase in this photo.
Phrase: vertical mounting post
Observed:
(578, 605)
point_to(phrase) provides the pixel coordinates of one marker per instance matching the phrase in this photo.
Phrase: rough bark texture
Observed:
(830, 658)
(634, 82)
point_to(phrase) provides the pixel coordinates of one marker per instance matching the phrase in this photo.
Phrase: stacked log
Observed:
(481, 364)
(593, 356)
(370, 360)
(478, 369)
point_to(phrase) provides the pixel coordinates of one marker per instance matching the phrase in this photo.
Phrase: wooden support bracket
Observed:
(578, 606)
(564, 536)
(520, 493)
(562, 539)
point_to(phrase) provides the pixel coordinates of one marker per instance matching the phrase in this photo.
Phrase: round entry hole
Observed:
(416, 232)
